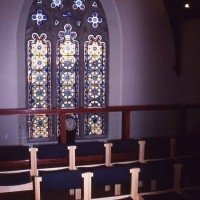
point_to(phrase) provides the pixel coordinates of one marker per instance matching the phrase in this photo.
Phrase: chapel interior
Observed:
(149, 147)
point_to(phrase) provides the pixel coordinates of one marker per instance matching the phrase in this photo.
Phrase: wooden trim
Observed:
(124, 109)
(126, 118)
(81, 160)
(63, 128)
(131, 156)
(24, 111)
(19, 163)
(63, 161)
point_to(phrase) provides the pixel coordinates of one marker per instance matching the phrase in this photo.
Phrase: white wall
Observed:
(9, 15)
(148, 77)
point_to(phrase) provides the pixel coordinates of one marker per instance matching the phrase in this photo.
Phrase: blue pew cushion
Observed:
(14, 153)
(15, 179)
(161, 171)
(124, 146)
(90, 148)
(52, 151)
(157, 147)
(111, 175)
(61, 180)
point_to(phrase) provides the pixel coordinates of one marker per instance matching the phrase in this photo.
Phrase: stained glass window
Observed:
(94, 90)
(67, 65)
(39, 90)
(67, 68)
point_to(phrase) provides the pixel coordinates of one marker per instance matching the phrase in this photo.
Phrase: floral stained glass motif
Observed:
(40, 126)
(57, 3)
(95, 20)
(78, 4)
(67, 68)
(94, 86)
(39, 17)
(39, 86)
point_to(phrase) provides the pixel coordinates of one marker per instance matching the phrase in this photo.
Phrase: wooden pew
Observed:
(160, 180)
(156, 148)
(15, 169)
(123, 151)
(114, 176)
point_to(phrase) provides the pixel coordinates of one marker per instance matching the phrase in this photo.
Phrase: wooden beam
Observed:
(63, 128)
(126, 125)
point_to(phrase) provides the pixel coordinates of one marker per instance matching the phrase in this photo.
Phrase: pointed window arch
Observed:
(67, 65)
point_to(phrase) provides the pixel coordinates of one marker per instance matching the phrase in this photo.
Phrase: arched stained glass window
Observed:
(67, 65)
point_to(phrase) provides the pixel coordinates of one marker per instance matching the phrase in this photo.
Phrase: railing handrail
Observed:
(127, 108)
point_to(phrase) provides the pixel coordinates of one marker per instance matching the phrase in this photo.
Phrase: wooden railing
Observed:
(125, 110)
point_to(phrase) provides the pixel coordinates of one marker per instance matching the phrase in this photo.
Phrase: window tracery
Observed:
(67, 65)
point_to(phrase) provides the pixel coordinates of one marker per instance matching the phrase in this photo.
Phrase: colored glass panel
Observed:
(39, 84)
(95, 20)
(57, 3)
(95, 4)
(78, 4)
(66, 71)
(94, 85)
(67, 68)
(39, 17)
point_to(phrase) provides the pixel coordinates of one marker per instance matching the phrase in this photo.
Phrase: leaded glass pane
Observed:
(67, 68)
(39, 126)
(94, 90)
(39, 72)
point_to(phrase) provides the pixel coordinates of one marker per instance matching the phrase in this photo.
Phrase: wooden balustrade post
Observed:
(126, 117)
(63, 128)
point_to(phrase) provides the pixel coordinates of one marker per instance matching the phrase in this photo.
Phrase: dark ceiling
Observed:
(178, 13)
(176, 9)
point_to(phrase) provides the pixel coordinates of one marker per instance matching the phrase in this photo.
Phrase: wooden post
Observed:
(142, 151)
(126, 124)
(87, 179)
(134, 182)
(63, 128)
(37, 188)
(108, 161)
(33, 155)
